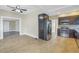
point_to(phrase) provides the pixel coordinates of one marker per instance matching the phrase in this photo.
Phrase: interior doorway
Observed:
(10, 26)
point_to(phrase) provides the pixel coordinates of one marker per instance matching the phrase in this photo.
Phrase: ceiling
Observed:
(49, 9)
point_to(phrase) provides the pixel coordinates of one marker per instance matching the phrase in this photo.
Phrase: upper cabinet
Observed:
(76, 21)
(72, 20)
(64, 21)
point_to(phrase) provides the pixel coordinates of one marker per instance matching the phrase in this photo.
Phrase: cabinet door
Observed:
(71, 18)
(76, 21)
(64, 21)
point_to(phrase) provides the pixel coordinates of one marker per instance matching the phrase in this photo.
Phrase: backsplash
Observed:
(76, 27)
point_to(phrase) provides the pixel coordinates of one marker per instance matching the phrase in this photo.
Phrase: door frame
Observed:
(14, 18)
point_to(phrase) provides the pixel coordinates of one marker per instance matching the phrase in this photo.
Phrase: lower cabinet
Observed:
(71, 33)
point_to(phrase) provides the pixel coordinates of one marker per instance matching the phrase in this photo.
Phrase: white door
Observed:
(54, 27)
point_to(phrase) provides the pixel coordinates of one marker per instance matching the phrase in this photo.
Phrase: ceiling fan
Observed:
(17, 9)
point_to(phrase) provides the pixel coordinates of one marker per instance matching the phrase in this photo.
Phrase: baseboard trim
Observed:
(29, 35)
(22, 33)
(1, 38)
(32, 36)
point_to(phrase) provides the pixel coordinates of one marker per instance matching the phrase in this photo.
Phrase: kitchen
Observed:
(69, 27)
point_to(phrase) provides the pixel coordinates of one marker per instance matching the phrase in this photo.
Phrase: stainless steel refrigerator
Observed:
(44, 26)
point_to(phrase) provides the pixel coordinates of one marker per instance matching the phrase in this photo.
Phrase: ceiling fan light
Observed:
(17, 10)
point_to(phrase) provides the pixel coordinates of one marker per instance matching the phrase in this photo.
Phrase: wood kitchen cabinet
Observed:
(76, 21)
(71, 33)
(72, 20)
(58, 32)
(63, 20)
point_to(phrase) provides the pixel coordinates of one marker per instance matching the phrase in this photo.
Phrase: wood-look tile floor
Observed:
(26, 44)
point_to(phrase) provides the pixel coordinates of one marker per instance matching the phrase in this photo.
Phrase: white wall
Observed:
(30, 24)
(5, 26)
(1, 29)
(17, 26)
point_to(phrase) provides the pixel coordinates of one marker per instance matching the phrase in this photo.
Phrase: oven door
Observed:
(64, 33)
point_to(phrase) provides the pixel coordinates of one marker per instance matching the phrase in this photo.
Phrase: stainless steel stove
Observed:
(64, 31)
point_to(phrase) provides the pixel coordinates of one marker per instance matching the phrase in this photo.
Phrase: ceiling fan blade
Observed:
(13, 9)
(24, 9)
(10, 6)
(21, 11)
